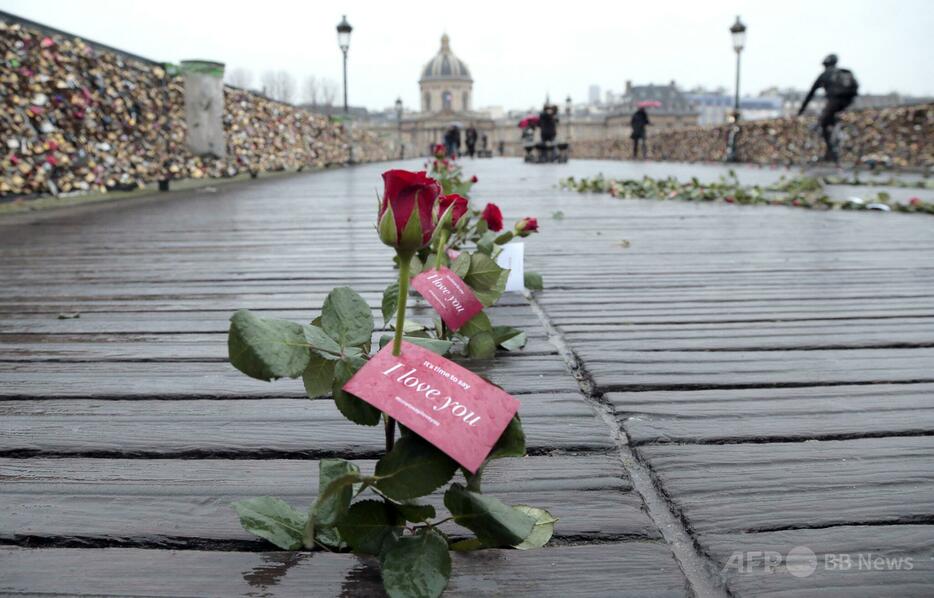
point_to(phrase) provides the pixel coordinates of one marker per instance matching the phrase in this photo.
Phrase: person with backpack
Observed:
(841, 88)
(638, 122)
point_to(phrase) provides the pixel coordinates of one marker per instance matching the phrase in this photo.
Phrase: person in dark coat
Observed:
(548, 121)
(471, 139)
(639, 121)
(841, 88)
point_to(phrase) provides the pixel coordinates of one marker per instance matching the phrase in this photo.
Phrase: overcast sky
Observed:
(519, 51)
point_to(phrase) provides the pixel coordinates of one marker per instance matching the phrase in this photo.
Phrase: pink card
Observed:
(449, 406)
(449, 295)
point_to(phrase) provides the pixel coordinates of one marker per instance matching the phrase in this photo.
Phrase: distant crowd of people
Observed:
(74, 117)
(475, 143)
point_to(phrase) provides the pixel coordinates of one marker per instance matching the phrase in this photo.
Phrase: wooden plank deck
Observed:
(765, 376)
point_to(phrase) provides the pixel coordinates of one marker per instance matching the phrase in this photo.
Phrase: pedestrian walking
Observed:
(840, 87)
(471, 139)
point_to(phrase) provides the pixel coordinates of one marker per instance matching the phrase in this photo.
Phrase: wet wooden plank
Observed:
(209, 428)
(626, 569)
(776, 414)
(156, 500)
(778, 485)
(214, 321)
(849, 561)
(199, 380)
(623, 370)
(752, 336)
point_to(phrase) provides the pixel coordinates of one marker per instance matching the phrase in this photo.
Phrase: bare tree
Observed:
(311, 90)
(328, 92)
(286, 84)
(240, 77)
(270, 84)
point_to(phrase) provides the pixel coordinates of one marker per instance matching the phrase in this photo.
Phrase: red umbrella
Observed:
(529, 121)
(649, 104)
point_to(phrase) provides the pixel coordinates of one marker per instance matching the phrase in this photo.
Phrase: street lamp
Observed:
(399, 122)
(343, 40)
(738, 33)
(567, 114)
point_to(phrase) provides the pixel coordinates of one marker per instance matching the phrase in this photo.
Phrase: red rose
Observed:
(459, 203)
(438, 150)
(493, 217)
(474, 179)
(914, 201)
(405, 215)
(527, 226)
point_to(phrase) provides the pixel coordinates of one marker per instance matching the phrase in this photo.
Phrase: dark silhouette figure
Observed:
(639, 121)
(452, 141)
(548, 121)
(471, 140)
(840, 87)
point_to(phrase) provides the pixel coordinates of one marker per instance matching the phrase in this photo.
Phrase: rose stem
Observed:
(405, 263)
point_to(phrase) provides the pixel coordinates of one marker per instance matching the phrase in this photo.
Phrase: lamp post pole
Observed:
(399, 127)
(343, 40)
(568, 106)
(738, 33)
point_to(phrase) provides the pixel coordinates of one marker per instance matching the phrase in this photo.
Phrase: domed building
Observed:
(446, 84)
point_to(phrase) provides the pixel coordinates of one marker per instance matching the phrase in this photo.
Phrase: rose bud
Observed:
(493, 217)
(914, 201)
(527, 226)
(438, 150)
(474, 179)
(405, 213)
(456, 203)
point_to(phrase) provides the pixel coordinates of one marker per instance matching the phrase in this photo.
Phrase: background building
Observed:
(445, 84)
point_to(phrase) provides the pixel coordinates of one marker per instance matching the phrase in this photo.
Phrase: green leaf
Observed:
(483, 274)
(355, 409)
(494, 523)
(485, 242)
(409, 326)
(346, 317)
(323, 345)
(415, 512)
(462, 264)
(477, 324)
(390, 302)
(509, 338)
(543, 530)
(333, 503)
(489, 298)
(533, 281)
(368, 524)
(416, 265)
(504, 238)
(417, 566)
(265, 348)
(413, 468)
(318, 377)
(272, 519)
(467, 545)
(481, 346)
(515, 343)
(511, 442)
(441, 347)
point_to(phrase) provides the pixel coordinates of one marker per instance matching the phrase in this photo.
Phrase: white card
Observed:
(512, 257)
